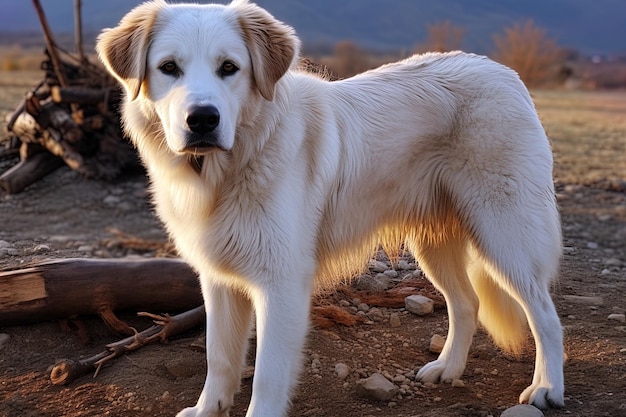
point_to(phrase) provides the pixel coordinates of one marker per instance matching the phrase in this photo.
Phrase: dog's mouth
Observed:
(200, 150)
(199, 145)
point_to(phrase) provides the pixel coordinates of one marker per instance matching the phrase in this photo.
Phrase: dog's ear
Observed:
(273, 45)
(124, 49)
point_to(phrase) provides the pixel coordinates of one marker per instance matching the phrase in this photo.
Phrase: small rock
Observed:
(457, 383)
(404, 265)
(375, 314)
(60, 238)
(394, 320)
(617, 317)
(373, 284)
(4, 338)
(580, 299)
(4, 244)
(42, 248)
(418, 304)
(378, 266)
(522, 410)
(111, 200)
(613, 262)
(166, 397)
(572, 188)
(391, 273)
(436, 343)
(342, 370)
(363, 307)
(383, 280)
(345, 303)
(85, 248)
(400, 379)
(376, 387)
(592, 245)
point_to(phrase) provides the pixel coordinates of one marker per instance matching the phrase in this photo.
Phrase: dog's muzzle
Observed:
(202, 122)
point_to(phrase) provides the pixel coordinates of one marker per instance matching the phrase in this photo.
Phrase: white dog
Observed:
(267, 177)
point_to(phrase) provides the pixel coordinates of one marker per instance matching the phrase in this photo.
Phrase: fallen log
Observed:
(70, 287)
(28, 171)
(78, 94)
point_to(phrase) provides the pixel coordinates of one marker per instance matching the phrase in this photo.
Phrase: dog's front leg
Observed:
(282, 322)
(229, 316)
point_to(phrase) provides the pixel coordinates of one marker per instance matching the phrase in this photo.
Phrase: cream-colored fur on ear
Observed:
(123, 49)
(273, 46)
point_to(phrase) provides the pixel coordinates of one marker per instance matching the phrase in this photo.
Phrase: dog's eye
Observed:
(169, 68)
(228, 68)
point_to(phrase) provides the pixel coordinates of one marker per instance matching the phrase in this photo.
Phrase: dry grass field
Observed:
(588, 133)
(65, 216)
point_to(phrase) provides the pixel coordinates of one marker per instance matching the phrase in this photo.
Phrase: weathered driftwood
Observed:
(70, 287)
(67, 370)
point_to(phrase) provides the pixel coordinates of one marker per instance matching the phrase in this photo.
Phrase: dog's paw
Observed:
(188, 412)
(543, 397)
(196, 412)
(437, 371)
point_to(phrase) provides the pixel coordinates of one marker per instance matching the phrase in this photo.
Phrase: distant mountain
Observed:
(592, 27)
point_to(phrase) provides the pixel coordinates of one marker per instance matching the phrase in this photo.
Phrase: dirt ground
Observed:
(66, 216)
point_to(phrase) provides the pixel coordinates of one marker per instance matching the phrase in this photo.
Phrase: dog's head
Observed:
(196, 66)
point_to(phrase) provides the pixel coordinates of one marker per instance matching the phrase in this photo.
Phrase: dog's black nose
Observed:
(203, 119)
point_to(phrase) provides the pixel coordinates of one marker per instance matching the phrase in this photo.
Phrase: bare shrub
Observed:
(527, 49)
(348, 59)
(442, 37)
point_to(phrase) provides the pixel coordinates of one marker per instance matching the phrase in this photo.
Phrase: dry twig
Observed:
(68, 370)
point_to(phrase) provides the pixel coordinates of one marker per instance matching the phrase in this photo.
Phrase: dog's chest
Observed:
(210, 228)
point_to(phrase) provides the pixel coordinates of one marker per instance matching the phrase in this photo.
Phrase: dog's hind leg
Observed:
(229, 318)
(444, 264)
(520, 250)
(547, 388)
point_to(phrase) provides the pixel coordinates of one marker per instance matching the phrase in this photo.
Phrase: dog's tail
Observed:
(502, 316)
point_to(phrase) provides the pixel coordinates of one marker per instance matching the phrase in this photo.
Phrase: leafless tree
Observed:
(528, 50)
(348, 59)
(442, 37)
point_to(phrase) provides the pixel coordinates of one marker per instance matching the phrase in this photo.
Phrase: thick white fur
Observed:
(443, 152)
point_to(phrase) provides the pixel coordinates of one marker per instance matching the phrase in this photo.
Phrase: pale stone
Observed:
(376, 387)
